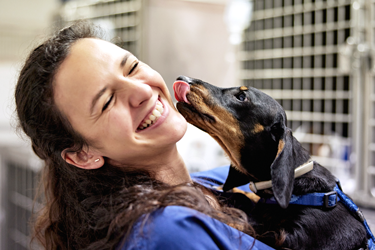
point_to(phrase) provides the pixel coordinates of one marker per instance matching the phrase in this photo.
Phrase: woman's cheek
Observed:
(116, 124)
(153, 78)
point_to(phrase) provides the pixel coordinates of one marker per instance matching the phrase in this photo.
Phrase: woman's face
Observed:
(109, 96)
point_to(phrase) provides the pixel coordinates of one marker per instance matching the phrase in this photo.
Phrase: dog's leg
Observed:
(253, 197)
(235, 178)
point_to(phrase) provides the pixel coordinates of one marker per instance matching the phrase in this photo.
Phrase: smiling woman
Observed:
(126, 105)
(105, 125)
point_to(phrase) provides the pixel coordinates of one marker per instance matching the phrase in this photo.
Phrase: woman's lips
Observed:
(159, 112)
(181, 89)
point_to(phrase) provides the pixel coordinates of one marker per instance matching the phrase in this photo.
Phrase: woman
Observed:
(105, 125)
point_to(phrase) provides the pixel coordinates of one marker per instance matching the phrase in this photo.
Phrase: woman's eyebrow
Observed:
(123, 61)
(96, 98)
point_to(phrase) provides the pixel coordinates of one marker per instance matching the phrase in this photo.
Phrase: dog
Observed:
(250, 126)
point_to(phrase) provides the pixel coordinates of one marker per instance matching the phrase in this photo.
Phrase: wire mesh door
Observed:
(291, 52)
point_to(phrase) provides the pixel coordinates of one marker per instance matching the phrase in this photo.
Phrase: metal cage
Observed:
(123, 18)
(317, 59)
(291, 52)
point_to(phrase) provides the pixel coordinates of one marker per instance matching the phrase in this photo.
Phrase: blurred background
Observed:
(315, 57)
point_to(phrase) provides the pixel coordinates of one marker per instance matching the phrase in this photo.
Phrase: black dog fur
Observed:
(268, 151)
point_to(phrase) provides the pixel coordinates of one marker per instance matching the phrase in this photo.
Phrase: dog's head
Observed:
(251, 128)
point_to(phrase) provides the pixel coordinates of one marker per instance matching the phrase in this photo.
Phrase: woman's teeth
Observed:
(156, 113)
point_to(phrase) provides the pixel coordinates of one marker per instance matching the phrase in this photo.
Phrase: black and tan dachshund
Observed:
(251, 128)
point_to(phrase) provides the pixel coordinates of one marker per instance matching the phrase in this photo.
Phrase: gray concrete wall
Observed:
(189, 38)
(22, 24)
(35, 14)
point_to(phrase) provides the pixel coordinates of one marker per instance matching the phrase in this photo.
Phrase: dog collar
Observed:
(301, 170)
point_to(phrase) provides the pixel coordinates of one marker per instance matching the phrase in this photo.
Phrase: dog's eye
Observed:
(241, 97)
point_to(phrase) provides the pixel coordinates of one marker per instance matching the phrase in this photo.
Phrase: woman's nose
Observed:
(139, 93)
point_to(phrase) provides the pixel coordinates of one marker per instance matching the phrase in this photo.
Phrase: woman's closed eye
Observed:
(133, 68)
(109, 100)
(107, 103)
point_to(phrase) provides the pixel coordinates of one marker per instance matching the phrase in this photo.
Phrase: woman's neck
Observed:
(172, 169)
(166, 165)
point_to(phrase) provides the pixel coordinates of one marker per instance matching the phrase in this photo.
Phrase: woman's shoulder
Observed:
(177, 227)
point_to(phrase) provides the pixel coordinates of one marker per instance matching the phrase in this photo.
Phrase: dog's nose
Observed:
(185, 79)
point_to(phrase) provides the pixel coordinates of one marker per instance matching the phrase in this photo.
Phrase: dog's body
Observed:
(309, 227)
(250, 127)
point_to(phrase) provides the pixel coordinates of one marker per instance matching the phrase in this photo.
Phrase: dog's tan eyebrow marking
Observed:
(243, 88)
(257, 128)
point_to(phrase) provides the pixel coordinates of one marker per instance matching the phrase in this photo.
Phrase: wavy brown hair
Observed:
(89, 209)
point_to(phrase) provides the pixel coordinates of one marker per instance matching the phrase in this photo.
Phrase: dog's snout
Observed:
(185, 79)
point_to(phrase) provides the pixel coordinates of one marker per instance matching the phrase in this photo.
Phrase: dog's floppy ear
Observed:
(235, 179)
(282, 170)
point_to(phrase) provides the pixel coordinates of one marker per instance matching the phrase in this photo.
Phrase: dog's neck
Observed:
(301, 170)
(319, 179)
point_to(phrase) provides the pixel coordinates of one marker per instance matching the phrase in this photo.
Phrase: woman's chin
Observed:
(179, 126)
(175, 129)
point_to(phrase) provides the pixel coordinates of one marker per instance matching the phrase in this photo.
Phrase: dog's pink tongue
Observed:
(181, 89)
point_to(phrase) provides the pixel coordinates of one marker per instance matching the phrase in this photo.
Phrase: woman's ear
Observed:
(83, 159)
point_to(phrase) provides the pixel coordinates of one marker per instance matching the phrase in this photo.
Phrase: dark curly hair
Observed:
(89, 209)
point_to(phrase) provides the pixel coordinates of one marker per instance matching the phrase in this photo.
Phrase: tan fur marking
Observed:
(280, 148)
(225, 130)
(257, 128)
(243, 88)
(233, 159)
(255, 198)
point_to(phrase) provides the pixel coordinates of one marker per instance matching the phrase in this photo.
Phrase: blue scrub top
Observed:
(177, 227)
